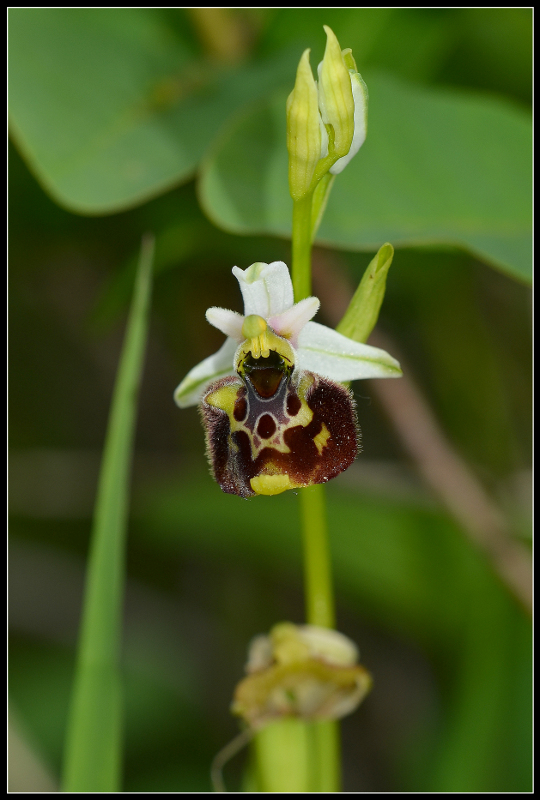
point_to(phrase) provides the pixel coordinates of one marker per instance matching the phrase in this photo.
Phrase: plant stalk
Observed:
(324, 736)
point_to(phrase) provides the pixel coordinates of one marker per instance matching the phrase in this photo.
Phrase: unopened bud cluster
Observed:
(326, 122)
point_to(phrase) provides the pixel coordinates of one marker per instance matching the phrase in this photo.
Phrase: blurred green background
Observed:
(126, 121)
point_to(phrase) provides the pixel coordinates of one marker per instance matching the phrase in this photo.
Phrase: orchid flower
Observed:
(275, 417)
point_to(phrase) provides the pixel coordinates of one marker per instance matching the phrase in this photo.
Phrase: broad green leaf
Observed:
(109, 107)
(93, 751)
(437, 168)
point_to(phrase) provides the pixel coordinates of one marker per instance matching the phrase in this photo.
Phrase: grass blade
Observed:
(93, 748)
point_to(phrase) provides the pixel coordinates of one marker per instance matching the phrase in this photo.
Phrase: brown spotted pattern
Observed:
(307, 429)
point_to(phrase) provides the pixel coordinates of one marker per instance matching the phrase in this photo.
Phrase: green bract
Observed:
(363, 311)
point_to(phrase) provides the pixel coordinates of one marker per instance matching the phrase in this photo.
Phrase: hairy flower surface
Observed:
(275, 417)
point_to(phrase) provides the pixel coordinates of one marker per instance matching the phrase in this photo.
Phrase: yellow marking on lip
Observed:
(271, 484)
(223, 398)
(304, 416)
(278, 445)
(321, 439)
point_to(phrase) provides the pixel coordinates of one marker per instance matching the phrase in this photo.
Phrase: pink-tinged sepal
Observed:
(277, 429)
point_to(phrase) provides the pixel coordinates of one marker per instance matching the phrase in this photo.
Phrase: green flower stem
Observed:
(317, 568)
(320, 611)
(93, 748)
(318, 581)
(301, 247)
(294, 756)
(284, 757)
(328, 749)
(324, 736)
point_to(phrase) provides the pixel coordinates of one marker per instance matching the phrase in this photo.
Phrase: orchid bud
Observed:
(307, 140)
(360, 97)
(335, 95)
(343, 101)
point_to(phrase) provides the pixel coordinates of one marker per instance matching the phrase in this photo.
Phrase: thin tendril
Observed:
(225, 755)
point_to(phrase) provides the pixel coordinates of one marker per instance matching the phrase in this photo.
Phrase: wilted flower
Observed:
(275, 417)
(302, 671)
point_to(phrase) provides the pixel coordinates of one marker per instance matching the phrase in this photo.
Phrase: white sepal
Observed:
(190, 391)
(328, 353)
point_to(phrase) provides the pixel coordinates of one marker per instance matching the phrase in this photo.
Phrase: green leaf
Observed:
(363, 310)
(109, 107)
(437, 168)
(93, 752)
